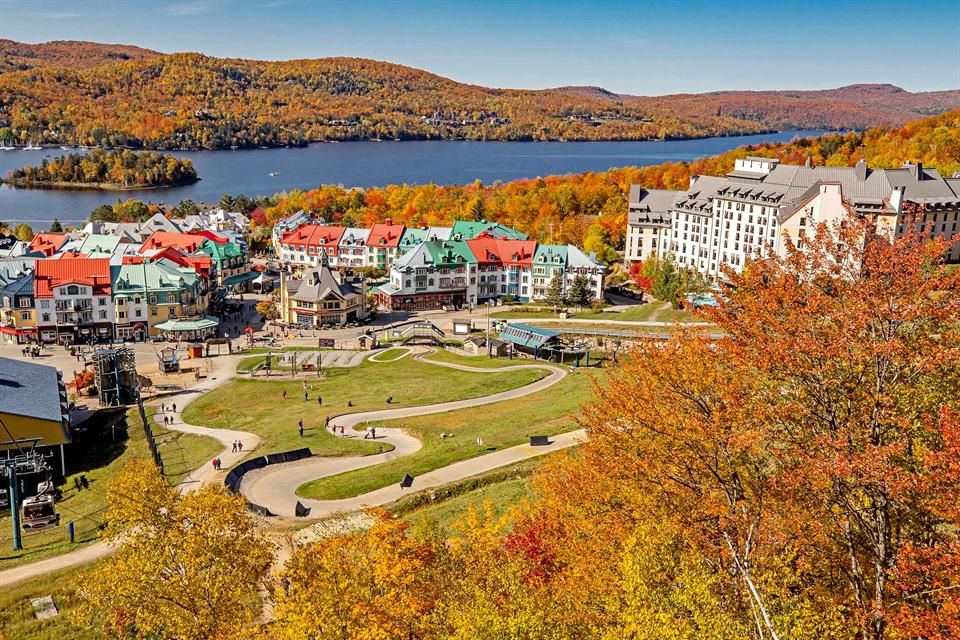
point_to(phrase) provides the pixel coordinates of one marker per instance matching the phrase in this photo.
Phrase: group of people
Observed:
(237, 446)
(168, 420)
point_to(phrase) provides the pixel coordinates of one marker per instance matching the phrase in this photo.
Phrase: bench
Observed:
(539, 441)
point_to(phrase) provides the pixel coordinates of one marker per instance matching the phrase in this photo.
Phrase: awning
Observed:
(240, 278)
(188, 324)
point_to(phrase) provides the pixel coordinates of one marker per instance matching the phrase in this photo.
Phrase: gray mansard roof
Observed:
(651, 206)
(787, 187)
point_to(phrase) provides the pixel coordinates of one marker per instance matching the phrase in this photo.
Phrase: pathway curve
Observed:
(275, 487)
(224, 371)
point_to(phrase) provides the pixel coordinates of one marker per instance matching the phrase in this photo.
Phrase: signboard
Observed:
(325, 343)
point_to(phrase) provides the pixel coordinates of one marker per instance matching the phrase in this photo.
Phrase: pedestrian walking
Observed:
(233, 448)
(239, 445)
(161, 408)
(174, 407)
(213, 463)
(218, 463)
(306, 395)
(284, 394)
(300, 429)
(319, 401)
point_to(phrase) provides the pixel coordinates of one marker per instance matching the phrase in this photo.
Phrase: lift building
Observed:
(33, 406)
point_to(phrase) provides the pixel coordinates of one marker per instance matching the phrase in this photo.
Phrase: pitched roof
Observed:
(468, 229)
(319, 283)
(411, 237)
(488, 249)
(47, 243)
(449, 252)
(29, 390)
(314, 235)
(651, 206)
(92, 272)
(99, 244)
(385, 234)
(354, 237)
(187, 242)
(22, 286)
(548, 254)
(161, 275)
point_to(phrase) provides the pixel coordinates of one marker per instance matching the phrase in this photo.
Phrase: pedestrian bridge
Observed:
(418, 332)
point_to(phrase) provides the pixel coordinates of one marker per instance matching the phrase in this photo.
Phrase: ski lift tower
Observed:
(26, 461)
(115, 373)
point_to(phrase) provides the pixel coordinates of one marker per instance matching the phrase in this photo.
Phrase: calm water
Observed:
(359, 164)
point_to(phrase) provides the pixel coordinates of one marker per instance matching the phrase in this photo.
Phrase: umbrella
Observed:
(249, 330)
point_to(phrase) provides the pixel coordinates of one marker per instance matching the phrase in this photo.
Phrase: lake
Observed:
(359, 164)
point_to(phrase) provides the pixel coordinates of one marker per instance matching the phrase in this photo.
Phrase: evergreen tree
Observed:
(227, 202)
(477, 209)
(580, 292)
(55, 226)
(555, 297)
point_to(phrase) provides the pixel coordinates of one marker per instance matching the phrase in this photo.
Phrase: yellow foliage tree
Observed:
(377, 584)
(188, 566)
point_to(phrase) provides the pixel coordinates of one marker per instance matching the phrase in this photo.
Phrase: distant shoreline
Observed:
(93, 186)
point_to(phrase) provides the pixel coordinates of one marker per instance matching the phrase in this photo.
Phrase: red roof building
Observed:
(305, 244)
(385, 235)
(186, 242)
(90, 272)
(47, 243)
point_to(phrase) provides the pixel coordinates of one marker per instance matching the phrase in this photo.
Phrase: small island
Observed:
(106, 170)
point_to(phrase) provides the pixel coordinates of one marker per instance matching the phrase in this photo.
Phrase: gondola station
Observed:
(34, 427)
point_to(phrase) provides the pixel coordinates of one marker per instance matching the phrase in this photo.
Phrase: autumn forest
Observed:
(114, 95)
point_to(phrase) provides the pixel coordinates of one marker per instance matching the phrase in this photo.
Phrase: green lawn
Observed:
(17, 619)
(441, 355)
(258, 406)
(501, 425)
(498, 488)
(182, 453)
(391, 354)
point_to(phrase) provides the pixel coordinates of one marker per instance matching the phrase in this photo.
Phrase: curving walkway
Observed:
(223, 372)
(275, 487)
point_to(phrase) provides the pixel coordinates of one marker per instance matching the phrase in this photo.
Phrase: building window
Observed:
(103, 302)
(24, 302)
(46, 317)
(153, 311)
(73, 290)
(44, 304)
(103, 315)
(24, 315)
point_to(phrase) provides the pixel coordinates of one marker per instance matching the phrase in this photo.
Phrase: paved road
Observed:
(224, 370)
(275, 487)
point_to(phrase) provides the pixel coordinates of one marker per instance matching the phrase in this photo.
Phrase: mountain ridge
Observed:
(122, 95)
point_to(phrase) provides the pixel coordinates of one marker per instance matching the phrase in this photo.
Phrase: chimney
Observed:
(860, 171)
(809, 163)
(918, 171)
(389, 221)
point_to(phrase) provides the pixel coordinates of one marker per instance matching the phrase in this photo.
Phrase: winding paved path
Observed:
(275, 487)
(224, 370)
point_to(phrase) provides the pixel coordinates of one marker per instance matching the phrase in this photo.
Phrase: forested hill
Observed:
(116, 95)
(73, 54)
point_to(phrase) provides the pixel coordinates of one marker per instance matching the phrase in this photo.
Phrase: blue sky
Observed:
(638, 47)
